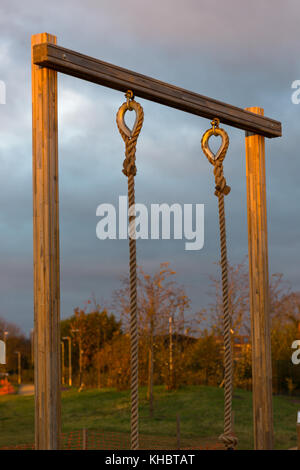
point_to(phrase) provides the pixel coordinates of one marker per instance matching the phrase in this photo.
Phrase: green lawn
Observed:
(200, 409)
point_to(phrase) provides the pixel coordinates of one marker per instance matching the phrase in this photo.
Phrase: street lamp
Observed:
(62, 362)
(80, 356)
(68, 338)
(19, 366)
(171, 319)
(5, 333)
(32, 345)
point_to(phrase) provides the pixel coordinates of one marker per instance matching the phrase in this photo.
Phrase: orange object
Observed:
(6, 388)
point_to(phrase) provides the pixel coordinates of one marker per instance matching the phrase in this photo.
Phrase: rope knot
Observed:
(229, 440)
(129, 167)
(220, 180)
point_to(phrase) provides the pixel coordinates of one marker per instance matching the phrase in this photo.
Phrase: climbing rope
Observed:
(221, 189)
(129, 169)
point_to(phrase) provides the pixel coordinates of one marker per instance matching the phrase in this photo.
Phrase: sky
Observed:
(243, 53)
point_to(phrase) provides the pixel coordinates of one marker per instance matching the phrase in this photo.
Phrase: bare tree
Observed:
(238, 282)
(159, 298)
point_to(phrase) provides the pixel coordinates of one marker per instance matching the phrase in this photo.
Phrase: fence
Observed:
(84, 439)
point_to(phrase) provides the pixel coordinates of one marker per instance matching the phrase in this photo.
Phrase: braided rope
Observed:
(129, 170)
(221, 189)
(228, 439)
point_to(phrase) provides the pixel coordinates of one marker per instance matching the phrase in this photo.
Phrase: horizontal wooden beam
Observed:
(96, 71)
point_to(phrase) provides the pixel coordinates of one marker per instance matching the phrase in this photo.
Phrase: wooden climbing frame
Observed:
(47, 60)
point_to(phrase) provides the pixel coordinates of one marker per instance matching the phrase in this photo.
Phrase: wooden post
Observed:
(178, 437)
(298, 430)
(259, 289)
(70, 361)
(19, 368)
(46, 254)
(96, 71)
(171, 375)
(62, 363)
(84, 439)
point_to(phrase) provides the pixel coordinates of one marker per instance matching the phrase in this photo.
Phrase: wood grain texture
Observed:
(46, 254)
(87, 68)
(259, 289)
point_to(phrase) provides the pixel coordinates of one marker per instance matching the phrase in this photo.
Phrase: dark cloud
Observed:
(240, 52)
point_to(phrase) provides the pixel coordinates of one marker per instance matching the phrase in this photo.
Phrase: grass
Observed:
(200, 409)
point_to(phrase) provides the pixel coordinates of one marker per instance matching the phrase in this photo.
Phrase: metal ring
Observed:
(120, 118)
(220, 155)
(129, 97)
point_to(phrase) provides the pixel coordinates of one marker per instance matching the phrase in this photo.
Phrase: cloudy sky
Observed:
(243, 53)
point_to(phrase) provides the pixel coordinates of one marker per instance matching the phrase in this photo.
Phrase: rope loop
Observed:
(130, 136)
(217, 159)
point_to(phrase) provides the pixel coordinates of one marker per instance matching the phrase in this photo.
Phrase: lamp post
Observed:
(5, 333)
(19, 366)
(171, 352)
(80, 355)
(62, 362)
(32, 345)
(68, 338)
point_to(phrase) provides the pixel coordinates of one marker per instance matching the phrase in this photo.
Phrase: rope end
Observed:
(230, 441)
